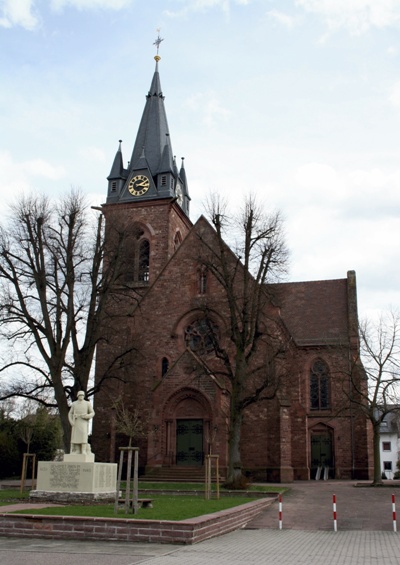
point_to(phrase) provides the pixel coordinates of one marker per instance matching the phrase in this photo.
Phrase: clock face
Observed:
(139, 185)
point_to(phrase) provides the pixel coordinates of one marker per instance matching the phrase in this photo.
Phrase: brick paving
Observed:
(364, 536)
(308, 506)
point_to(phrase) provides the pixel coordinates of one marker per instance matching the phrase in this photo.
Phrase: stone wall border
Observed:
(186, 532)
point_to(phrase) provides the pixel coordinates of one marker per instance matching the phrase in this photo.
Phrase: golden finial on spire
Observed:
(157, 43)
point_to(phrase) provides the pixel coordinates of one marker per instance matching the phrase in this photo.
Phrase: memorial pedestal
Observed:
(75, 480)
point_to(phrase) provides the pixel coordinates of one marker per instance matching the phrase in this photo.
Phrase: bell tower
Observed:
(152, 172)
(149, 197)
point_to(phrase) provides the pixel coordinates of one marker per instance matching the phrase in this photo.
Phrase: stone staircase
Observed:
(178, 474)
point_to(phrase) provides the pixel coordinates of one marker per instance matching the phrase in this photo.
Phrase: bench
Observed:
(142, 502)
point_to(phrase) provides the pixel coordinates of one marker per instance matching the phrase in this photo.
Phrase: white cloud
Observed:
(41, 168)
(359, 193)
(18, 177)
(204, 5)
(394, 96)
(24, 13)
(94, 154)
(281, 18)
(18, 13)
(91, 4)
(358, 16)
(209, 107)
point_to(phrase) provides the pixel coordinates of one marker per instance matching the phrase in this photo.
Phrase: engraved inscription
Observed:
(64, 476)
(104, 477)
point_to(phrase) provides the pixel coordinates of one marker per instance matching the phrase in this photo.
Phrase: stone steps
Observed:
(177, 474)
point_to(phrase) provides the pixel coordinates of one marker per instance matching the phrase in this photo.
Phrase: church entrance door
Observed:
(321, 453)
(189, 443)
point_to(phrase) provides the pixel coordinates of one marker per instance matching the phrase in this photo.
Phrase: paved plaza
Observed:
(244, 547)
(365, 536)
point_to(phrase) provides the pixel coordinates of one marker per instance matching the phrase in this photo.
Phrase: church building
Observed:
(156, 358)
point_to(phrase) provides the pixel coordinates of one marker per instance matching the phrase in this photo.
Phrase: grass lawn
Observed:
(164, 508)
(9, 496)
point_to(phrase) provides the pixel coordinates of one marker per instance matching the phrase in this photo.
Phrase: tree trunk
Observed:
(234, 478)
(377, 456)
(63, 410)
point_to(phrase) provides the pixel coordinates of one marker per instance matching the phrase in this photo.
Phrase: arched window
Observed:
(201, 336)
(203, 280)
(136, 257)
(144, 260)
(177, 240)
(164, 366)
(319, 386)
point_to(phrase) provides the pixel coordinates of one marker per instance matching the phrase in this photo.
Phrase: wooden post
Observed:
(208, 469)
(26, 458)
(128, 482)
(121, 462)
(135, 494)
(207, 489)
(135, 503)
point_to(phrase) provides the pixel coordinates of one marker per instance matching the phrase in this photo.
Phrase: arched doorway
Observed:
(321, 452)
(189, 442)
(187, 416)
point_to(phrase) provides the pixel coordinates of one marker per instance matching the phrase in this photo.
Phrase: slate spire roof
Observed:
(117, 169)
(153, 139)
(152, 157)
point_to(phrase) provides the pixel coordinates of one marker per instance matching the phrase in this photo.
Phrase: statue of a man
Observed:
(80, 413)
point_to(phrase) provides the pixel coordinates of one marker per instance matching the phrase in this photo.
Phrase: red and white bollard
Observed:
(334, 514)
(280, 511)
(394, 513)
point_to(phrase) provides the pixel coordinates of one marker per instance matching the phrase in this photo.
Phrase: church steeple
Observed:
(151, 173)
(117, 176)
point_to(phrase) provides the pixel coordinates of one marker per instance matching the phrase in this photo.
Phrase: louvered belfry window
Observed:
(319, 386)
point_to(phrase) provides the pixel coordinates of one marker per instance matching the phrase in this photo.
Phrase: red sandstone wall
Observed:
(190, 531)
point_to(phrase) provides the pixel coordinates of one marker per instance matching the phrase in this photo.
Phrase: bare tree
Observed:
(54, 300)
(377, 393)
(251, 357)
(129, 422)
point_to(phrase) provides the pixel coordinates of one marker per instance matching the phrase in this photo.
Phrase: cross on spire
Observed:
(158, 40)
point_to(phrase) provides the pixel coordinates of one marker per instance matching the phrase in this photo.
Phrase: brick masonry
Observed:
(186, 532)
(318, 319)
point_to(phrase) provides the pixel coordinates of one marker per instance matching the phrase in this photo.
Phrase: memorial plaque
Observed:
(76, 477)
(64, 477)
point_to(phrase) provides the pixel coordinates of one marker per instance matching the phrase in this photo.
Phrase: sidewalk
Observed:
(244, 547)
(364, 536)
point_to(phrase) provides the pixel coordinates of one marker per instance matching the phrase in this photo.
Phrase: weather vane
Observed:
(158, 40)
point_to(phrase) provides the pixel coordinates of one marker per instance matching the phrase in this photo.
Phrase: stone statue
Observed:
(80, 413)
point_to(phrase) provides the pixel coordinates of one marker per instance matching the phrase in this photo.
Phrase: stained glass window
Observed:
(201, 336)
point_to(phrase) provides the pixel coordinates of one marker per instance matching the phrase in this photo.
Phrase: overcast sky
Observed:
(297, 101)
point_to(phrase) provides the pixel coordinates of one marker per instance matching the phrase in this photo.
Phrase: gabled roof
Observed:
(189, 355)
(315, 312)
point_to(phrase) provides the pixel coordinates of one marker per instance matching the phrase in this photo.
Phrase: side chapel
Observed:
(156, 357)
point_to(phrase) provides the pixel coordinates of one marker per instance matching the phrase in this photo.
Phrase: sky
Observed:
(294, 101)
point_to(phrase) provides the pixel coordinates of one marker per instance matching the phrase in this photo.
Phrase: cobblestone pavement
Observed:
(244, 547)
(365, 536)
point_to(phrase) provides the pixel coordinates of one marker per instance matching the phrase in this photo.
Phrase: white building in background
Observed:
(390, 443)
